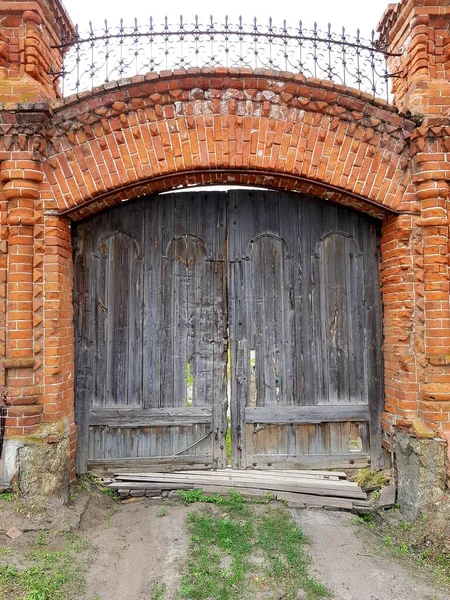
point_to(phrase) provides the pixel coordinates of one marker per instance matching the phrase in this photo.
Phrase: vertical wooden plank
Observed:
(373, 333)
(83, 369)
(151, 303)
(238, 323)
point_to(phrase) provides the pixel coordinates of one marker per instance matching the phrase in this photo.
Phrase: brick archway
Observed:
(201, 127)
(223, 126)
(175, 130)
(64, 160)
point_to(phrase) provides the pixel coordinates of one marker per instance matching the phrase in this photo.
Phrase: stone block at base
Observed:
(421, 472)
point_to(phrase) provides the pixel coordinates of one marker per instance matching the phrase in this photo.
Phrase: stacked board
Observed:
(327, 489)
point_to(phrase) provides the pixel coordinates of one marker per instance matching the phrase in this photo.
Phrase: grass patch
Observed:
(88, 482)
(233, 499)
(422, 542)
(6, 497)
(158, 591)
(283, 543)
(49, 575)
(367, 478)
(237, 552)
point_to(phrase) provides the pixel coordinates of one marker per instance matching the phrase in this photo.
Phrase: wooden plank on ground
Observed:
(142, 485)
(268, 476)
(336, 476)
(321, 488)
(317, 501)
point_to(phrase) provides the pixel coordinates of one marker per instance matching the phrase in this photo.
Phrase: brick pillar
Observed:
(402, 288)
(36, 379)
(419, 416)
(21, 179)
(418, 31)
(59, 339)
(29, 31)
(429, 163)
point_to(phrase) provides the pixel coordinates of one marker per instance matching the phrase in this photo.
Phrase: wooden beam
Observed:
(302, 415)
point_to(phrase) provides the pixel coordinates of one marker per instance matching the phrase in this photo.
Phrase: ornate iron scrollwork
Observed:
(111, 53)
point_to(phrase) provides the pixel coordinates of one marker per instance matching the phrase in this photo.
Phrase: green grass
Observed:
(6, 497)
(49, 575)
(224, 543)
(414, 541)
(283, 543)
(232, 500)
(158, 591)
(368, 478)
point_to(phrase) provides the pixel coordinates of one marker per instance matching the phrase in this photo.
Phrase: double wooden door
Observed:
(257, 311)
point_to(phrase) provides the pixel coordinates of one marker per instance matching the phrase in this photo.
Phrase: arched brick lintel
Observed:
(265, 179)
(276, 130)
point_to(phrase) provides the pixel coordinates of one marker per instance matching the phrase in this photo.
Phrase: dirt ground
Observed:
(352, 564)
(136, 549)
(140, 544)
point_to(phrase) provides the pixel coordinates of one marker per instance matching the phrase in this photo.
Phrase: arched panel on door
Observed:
(273, 333)
(109, 307)
(305, 333)
(118, 307)
(338, 315)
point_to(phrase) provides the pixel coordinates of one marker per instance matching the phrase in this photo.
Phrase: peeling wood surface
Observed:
(151, 321)
(162, 283)
(305, 332)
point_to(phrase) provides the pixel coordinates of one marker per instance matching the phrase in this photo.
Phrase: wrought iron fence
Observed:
(110, 52)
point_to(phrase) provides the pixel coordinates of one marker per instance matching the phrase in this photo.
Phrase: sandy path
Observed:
(353, 567)
(135, 548)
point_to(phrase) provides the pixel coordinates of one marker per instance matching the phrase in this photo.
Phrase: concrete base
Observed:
(421, 472)
(38, 466)
(44, 472)
(9, 465)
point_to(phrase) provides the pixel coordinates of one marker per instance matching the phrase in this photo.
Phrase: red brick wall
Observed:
(63, 160)
(280, 130)
(28, 30)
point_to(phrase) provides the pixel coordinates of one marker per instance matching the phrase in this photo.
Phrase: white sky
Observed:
(352, 14)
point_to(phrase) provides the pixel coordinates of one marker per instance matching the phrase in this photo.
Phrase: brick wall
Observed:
(63, 160)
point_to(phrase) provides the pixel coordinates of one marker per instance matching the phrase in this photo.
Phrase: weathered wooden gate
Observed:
(162, 283)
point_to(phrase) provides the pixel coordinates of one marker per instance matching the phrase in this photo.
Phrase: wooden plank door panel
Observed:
(161, 283)
(262, 247)
(109, 271)
(192, 325)
(305, 333)
(152, 334)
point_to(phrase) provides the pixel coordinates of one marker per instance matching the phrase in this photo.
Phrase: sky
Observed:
(353, 14)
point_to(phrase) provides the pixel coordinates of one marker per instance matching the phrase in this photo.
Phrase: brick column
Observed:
(402, 288)
(29, 32)
(418, 31)
(21, 179)
(429, 148)
(58, 372)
